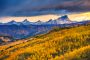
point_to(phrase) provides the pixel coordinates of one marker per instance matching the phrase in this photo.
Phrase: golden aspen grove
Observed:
(58, 44)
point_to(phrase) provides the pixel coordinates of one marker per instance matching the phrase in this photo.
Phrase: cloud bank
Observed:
(41, 7)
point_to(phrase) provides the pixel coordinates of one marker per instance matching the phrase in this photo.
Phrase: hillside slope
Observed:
(58, 44)
(79, 54)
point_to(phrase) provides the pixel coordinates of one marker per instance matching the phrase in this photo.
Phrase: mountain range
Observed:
(19, 30)
(61, 20)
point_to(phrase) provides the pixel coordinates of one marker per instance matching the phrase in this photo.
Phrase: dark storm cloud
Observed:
(39, 7)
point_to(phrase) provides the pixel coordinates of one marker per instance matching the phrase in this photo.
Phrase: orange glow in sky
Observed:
(32, 19)
(74, 17)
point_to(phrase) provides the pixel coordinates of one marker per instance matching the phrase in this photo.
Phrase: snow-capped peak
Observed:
(61, 20)
(64, 20)
(25, 21)
(38, 22)
(12, 22)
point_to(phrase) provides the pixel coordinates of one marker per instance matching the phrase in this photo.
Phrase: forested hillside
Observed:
(58, 44)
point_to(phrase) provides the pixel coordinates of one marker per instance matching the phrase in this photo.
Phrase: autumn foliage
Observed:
(62, 44)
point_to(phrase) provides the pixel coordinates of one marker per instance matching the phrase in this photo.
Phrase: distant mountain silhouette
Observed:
(25, 22)
(61, 20)
(24, 29)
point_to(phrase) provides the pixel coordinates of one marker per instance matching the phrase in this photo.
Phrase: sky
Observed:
(43, 9)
